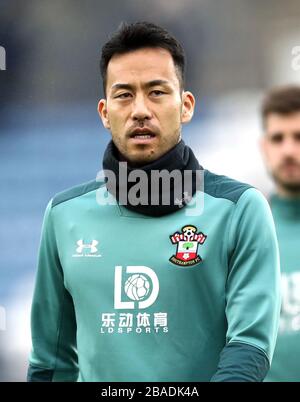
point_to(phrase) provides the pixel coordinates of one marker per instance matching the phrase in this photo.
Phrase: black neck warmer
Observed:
(180, 158)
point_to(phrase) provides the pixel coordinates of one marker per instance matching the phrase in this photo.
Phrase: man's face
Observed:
(145, 107)
(281, 150)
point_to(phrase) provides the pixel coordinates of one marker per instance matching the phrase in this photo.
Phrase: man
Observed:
(170, 295)
(281, 150)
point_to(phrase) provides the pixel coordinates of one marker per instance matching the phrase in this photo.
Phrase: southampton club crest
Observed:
(187, 246)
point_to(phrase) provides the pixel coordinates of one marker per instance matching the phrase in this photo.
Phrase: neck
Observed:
(149, 194)
(287, 208)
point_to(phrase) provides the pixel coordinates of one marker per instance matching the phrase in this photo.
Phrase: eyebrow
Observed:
(148, 84)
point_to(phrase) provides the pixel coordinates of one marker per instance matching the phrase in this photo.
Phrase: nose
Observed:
(140, 109)
(288, 147)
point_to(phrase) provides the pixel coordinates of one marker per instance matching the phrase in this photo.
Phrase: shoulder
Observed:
(76, 191)
(220, 186)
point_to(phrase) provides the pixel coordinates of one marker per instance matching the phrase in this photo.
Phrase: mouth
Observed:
(142, 135)
(290, 171)
(290, 166)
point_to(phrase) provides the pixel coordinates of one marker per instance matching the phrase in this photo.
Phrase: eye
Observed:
(124, 95)
(276, 138)
(297, 136)
(157, 92)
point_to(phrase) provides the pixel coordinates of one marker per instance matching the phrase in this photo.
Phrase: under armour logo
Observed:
(91, 246)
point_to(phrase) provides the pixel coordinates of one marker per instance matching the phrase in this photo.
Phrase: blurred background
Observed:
(51, 137)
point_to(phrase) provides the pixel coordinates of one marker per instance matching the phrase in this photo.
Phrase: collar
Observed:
(147, 195)
(288, 208)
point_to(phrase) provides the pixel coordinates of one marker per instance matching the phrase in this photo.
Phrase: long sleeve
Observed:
(53, 323)
(252, 292)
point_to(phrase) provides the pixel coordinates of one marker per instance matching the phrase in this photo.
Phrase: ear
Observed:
(102, 110)
(266, 148)
(188, 105)
(263, 146)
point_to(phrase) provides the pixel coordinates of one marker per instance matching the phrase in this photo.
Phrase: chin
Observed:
(142, 159)
(292, 186)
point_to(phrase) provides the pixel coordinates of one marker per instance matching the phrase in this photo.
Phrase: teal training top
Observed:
(286, 362)
(121, 296)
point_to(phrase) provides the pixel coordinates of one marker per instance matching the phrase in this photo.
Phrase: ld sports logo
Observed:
(135, 289)
(187, 246)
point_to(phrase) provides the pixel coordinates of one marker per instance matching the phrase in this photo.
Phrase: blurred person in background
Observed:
(280, 146)
(197, 307)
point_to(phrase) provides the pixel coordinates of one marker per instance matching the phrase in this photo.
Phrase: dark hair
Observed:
(139, 35)
(281, 100)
